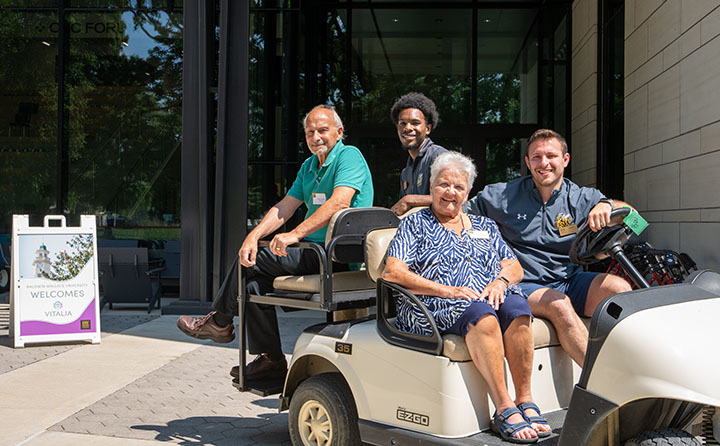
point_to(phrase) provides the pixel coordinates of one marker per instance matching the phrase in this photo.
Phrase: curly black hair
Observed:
(419, 101)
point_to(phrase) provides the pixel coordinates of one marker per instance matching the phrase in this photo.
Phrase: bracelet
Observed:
(507, 282)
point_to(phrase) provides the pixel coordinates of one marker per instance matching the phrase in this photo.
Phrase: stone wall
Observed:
(583, 150)
(672, 123)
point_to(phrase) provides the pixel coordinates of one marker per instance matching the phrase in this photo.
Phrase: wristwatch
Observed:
(507, 282)
(608, 201)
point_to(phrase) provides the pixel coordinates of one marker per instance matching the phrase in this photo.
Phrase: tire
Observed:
(663, 437)
(4, 280)
(323, 413)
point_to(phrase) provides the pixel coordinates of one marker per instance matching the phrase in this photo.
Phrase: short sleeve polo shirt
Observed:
(415, 177)
(532, 228)
(344, 166)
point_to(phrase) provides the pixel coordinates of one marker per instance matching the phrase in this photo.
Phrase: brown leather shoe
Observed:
(206, 328)
(262, 365)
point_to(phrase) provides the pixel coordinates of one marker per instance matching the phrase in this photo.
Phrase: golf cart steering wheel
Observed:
(591, 247)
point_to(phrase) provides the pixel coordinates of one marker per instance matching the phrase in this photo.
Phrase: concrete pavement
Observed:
(145, 383)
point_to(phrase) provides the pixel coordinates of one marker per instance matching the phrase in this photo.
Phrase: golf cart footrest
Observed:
(381, 434)
(262, 386)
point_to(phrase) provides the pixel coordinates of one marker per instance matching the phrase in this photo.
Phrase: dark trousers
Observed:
(261, 320)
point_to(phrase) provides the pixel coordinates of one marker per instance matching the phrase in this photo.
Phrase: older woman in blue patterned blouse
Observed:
(465, 274)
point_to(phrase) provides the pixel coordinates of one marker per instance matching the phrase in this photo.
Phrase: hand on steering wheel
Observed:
(591, 247)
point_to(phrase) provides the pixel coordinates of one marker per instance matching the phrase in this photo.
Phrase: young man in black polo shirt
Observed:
(414, 116)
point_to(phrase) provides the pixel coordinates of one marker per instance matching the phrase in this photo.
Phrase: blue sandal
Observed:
(506, 430)
(537, 419)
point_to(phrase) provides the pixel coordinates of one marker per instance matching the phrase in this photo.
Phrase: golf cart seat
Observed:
(344, 243)
(450, 346)
(544, 335)
(342, 295)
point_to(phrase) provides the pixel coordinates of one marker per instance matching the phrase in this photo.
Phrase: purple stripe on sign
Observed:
(34, 328)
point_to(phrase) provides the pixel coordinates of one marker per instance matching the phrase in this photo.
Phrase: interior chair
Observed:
(171, 274)
(127, 277)
(339, 294)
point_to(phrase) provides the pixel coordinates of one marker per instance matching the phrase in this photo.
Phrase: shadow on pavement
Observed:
(266, 429)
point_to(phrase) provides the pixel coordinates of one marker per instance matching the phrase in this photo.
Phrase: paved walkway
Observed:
(145, 383)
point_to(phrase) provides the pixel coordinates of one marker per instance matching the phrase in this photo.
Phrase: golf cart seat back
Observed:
(451, 346)
(344, 243)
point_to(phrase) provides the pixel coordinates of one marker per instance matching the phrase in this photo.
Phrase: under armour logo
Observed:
(522, 216)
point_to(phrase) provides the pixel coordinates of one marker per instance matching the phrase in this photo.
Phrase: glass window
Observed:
(124, 118)
(396, 51)
(554, 69)
(275, 88)
(362, 58)
(28, 114)
(29, 3)
(507, 66)
(503, 159)
(272, 4)
(267, 183)
(141, 4)
(385, 152)
(276, 145)
(102, 3)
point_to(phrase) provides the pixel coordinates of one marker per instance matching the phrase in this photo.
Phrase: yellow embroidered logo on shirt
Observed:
(562, 220)
(564, 225)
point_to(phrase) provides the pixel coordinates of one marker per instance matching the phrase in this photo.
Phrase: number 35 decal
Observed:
(345, 349)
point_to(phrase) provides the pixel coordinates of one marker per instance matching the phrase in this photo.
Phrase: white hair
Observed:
(454, 161)
(338, 121)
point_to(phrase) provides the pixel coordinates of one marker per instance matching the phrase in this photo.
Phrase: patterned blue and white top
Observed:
(438, 254)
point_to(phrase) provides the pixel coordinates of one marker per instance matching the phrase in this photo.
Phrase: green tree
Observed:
(66, 266)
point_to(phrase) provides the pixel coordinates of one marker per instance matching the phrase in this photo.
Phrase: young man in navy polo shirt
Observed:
(414, 115)
(539, 216)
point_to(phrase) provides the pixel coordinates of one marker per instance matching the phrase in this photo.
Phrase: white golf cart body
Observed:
(395, 386)
(650, 366)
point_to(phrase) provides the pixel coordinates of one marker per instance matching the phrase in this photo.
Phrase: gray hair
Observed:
(338, 121)
(454, 161)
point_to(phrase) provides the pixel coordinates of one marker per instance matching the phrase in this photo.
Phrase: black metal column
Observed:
(61, 158)
(231, 167)
(195, 233)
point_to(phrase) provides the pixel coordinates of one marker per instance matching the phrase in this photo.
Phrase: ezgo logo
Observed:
(412, 417)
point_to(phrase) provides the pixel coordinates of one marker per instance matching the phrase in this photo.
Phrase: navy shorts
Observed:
(514, 306)
(576, 288)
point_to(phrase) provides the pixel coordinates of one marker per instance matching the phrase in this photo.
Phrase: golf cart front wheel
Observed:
(664, 437)
(323, 413)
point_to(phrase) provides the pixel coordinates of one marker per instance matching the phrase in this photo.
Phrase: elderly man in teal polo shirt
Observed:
(335, 177)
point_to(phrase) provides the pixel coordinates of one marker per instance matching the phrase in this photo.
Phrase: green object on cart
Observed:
(635, 222)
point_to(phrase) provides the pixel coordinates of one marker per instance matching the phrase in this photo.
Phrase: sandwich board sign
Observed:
(54, 292)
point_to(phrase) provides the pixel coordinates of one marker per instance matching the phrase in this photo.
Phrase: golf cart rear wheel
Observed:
(323, 413)
(664, 437)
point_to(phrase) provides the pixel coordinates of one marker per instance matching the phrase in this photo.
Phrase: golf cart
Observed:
(648, 376)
